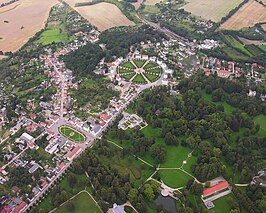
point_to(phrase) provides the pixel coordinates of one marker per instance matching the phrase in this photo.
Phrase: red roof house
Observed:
(214, 189)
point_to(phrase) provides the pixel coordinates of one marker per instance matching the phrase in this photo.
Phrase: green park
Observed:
(72, 134)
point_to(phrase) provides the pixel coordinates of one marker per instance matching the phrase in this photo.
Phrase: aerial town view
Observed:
(137, 106)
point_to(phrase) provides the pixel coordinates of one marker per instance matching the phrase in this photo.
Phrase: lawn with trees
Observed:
(81, 203)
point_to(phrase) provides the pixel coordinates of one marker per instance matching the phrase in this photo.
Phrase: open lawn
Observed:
(139, 79)
(128, 64)
(243, 18)
(222, 205)
(139, 63)
(175, 156)
(104, 15)
(72, 134)
(83, 203)
(174, 178)
(261, 120)
(157, 70)
(151, 77)
(128, 76)
(21, 20)
(122, 70)
(150, 65)
(211, 9)
(54, 34)
(150, 9)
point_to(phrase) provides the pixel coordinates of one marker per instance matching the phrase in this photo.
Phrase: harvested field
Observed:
(264, 26)
(73, 2)
(213, 10)
(21, 20)
(104, 16)
(243, 18)
(152, 2)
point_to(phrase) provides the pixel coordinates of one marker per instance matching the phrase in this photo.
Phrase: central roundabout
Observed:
(139, 71)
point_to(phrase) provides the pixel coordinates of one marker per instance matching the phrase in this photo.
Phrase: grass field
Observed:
(150, 9)
(255, 50)
(211, 9)
(139, 63)
(139, 79)
(175, 156)
(83, 203)
(222, 205)
(236, 44)
(128, 76)
(150, 65)
(243, 18)
(55, 34)
(151, 77)
(25, 18)
(157, 70)
(261, 120)
(174, 178)
(122, 70)
(104, 16)
(128, 64)
(263, 47)
(72, 134)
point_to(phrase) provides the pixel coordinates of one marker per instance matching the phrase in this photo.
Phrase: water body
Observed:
(168, 203)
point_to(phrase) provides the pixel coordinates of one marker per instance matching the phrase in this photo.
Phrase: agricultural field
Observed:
(20, 21)
(213, 10)
(243, 18)
(72, 134)
(82, 203)
(264, 27)
(104, 16)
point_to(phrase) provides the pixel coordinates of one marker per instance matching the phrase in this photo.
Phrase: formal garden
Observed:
(140, 71)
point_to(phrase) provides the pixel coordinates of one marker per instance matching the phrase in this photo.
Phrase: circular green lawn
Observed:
(72, 134)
